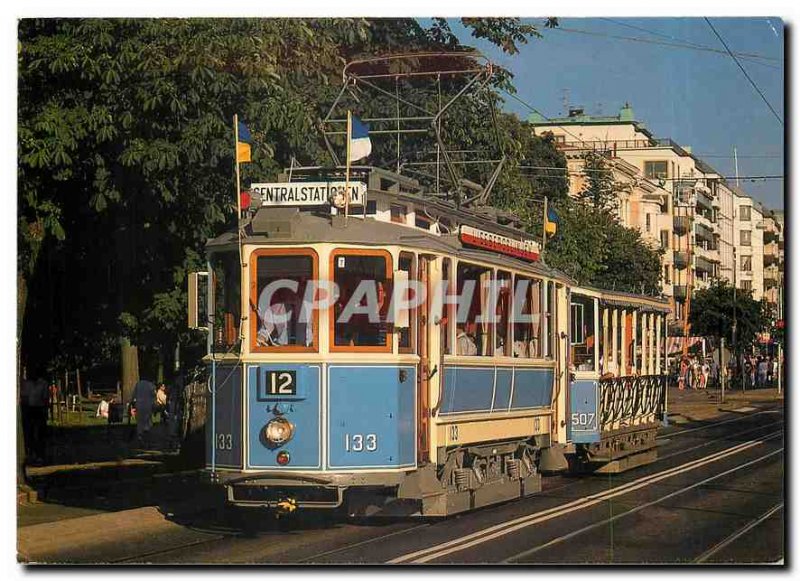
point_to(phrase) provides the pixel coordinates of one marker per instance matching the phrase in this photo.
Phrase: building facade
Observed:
(709, 229)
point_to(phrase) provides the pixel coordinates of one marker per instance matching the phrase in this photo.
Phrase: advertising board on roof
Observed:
(524, 249)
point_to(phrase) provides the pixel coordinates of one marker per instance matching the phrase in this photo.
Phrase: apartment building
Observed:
(773, 259)
(709, 228)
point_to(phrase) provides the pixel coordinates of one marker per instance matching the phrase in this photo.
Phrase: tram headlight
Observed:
(277, 432)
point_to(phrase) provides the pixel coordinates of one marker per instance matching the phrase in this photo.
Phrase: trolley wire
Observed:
(752, 82)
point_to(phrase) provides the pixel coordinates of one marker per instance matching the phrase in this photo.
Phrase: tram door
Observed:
(424, 371)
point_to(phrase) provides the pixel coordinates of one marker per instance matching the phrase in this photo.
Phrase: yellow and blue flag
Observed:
(243, 144)
(551, 222)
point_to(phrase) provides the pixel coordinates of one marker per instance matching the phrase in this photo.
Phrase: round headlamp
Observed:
(278, 431)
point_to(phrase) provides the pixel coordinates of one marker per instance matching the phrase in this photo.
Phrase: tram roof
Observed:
(616, 298)
(282, 226)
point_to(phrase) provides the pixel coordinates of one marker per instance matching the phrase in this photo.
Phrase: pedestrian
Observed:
(705, 372)
(774, 369)
(160, 405)
(714, 372)
(144, 392)
(102, 408)
(763, 367)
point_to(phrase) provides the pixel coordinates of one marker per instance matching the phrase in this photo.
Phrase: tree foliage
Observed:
(713, 308)
(125, 161)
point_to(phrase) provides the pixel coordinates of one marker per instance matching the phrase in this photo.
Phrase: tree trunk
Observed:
(130, 368)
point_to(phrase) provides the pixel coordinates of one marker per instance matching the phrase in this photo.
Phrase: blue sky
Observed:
(698, 98)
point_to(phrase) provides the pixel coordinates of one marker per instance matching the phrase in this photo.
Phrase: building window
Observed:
(398, 212)
(655, 169)
(744, 237)
(744, 213)
(666, 274)
(372, 207)
(559, 139)
(647, 221)
(747, 285)
(665, 239)
(747, 263)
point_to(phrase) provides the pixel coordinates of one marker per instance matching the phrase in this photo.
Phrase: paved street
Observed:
(715, 495)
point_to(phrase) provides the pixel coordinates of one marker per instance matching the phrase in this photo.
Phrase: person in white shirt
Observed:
(465, 344)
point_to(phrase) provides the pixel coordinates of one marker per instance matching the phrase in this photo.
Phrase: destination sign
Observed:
(309, 193)
(524, 249)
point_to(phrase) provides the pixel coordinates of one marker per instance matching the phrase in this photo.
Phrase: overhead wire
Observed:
(663, 43)
(752, 82)
(689, 44)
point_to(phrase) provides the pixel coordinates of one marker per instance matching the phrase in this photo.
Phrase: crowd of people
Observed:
(698, 373)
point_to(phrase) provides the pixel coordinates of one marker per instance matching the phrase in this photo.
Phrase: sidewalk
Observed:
(698, 405)
(93, 469)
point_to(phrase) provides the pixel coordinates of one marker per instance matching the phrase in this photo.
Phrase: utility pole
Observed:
(733, 327)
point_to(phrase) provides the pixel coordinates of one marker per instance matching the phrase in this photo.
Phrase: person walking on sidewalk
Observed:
(763, 367)
(144, 392)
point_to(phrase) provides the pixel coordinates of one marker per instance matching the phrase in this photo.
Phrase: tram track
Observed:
(505, 528)
(575, 483)
(714, 549)
(639, 508)
(416, 528)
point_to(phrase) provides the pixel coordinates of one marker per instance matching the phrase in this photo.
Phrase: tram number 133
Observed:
(360, 442)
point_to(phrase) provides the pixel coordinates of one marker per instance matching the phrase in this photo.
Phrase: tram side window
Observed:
(582, 333)
(549, 310)
(448, 311)
(226, 272)
(527, 318)
(361, 309)
(285, 318)
(502, 334)
(405, 336)
(473, 331)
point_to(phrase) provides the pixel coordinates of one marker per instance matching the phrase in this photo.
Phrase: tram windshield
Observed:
(360, 310)
(285, 319)
(582, 333)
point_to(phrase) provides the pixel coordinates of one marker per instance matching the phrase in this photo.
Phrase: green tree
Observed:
(599, 189)
(125, 159)
(712, 314)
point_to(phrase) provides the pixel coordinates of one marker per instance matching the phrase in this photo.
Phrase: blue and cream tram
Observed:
(428, 411)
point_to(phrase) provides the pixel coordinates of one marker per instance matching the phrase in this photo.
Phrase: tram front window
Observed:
(582, 333)
(226, 317)
(285, 319)
(361, 309)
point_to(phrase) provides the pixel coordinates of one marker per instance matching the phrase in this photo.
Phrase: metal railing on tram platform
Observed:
(624, 400)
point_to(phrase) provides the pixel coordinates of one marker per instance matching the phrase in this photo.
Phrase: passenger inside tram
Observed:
(284, 319)
(465, 342)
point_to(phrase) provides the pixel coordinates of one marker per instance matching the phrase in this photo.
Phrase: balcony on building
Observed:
(771, 254)
(680, 259)
(772, 274)
(705, 268)
(680, 224)
(703, 232)
(679, 292)
(705, 202)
